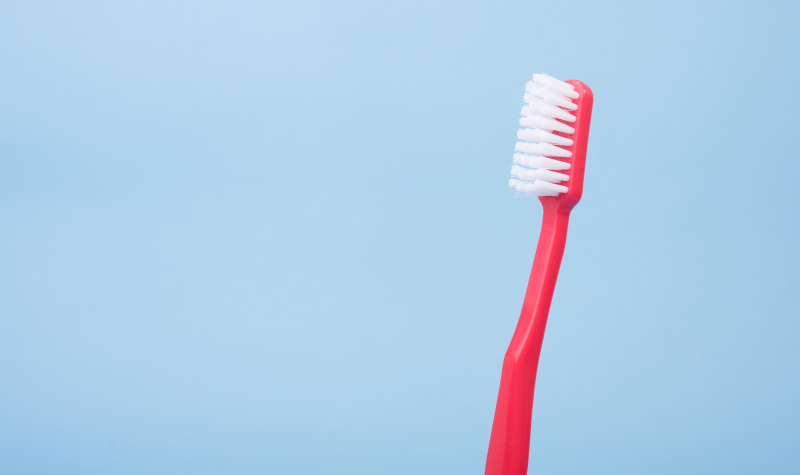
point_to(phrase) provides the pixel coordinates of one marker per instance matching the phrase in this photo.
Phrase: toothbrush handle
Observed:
(511, 430)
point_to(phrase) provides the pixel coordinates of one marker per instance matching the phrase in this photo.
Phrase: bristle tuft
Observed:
(548, 105)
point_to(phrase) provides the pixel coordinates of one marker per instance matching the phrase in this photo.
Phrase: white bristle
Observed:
(547, 96)
(537, 188)
(546, 110)
(542, 149)
(536, 135)
(545, 123)
(559, 86)
(550, 187)
(531, 161)
(548, 101)
(537, 174)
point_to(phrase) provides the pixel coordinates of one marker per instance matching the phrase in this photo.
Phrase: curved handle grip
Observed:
(511, 429)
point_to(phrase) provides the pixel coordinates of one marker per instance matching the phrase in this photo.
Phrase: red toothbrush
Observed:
(558, 114)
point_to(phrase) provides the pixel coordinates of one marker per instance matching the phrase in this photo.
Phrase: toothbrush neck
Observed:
(546, 264)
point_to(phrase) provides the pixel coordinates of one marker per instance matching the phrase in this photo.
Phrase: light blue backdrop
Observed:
(244, 237)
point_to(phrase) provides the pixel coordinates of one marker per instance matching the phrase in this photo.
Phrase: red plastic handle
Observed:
(511, 430)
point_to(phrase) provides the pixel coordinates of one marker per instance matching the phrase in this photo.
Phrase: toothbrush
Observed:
(549, 163)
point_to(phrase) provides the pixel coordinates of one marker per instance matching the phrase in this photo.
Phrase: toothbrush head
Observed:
(551, 154)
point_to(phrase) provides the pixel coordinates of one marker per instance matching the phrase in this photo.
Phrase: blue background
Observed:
(276, 237)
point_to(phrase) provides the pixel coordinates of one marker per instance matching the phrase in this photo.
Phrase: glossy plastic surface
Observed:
(511, 430)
